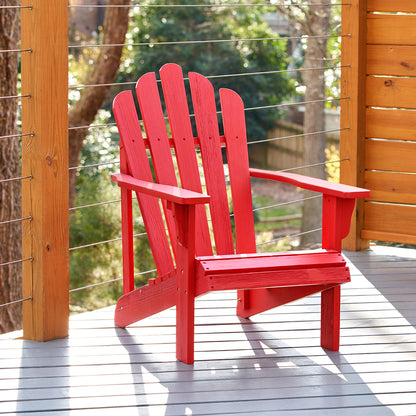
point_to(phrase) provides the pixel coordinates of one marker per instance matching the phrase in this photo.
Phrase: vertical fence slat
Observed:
(352, 140)
(44, 29)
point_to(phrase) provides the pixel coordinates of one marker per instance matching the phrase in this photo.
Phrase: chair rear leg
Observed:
(330, 318)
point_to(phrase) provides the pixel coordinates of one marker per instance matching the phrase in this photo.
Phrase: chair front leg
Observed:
(184, 216)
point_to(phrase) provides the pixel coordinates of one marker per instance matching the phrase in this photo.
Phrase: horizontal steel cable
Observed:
(323, 100)
(8, 97)
(10, 136)
(15, 301)
(16, 7)
(15, 50)
(102, 6)
(192, 42)
(280, 204)
(294, 136)
(104, 242)
(283, 71)
(16, 179)
(315, 164)
(289, 236)
(16, 220)
(246, 109)
(110, 281)
(16, 261)
(94, 165)
(94, 205)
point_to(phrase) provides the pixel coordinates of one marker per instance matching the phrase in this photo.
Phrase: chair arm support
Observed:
(312, 184)
(167, 192)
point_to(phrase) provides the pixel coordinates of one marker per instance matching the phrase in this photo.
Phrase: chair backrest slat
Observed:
(203, 99)
(155, 127)
(131, 137)
(232, 108)
(180, 124)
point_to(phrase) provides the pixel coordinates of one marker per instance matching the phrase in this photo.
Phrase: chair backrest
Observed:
(139, 154)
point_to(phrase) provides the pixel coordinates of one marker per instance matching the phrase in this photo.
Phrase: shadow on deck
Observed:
(269, 365)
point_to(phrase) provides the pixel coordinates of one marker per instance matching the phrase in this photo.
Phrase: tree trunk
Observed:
(314, 146)
(10, 192)
(104, 71)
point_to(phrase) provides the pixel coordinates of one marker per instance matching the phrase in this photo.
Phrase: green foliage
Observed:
(176, 24)
(100, 263)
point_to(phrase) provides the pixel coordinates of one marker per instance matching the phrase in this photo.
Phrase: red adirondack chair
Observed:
(187, 267)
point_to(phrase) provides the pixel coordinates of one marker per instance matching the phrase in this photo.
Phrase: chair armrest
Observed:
(312, 184)
(167, 192)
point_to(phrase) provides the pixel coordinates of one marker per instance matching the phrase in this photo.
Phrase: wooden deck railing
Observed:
(45, 153)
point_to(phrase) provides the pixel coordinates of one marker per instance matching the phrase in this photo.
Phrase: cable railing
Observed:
(231, 5)
(283, 71)
(111, 164)
(202, 42)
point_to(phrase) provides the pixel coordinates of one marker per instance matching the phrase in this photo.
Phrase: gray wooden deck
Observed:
(269, 365)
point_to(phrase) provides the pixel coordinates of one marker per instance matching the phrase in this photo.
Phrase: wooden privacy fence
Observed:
(381, 141)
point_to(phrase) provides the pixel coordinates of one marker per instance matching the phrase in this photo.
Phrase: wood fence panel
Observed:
(391, 124)
(390, 222)
(393, 6)
(390, 147)
(391, 60)
(384, 29)
(390, 155)
(391, 92)
(392, 187)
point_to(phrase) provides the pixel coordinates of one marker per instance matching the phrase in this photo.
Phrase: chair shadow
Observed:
(274, 373)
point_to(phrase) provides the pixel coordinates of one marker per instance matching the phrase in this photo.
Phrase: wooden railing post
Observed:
(353, 116)
(44, 30)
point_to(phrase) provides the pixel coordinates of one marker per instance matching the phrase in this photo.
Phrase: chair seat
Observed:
(250, 271)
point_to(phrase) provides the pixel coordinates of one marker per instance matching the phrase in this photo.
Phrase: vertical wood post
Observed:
(44, 30)
(353, 86)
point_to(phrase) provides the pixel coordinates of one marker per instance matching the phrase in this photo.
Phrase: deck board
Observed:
(269, 365)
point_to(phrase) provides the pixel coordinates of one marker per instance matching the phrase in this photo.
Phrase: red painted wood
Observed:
(236, 140)
(330, 318)
(154, 123)
(127, 230)
(145, 301)
(278, 261)
(312, 184)
(184, 144)
(262, 300)
(207, 125)
(166, 192)
(263, 281)
(132, 140)
(336, 220)
(275, 278)
(185, 281)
